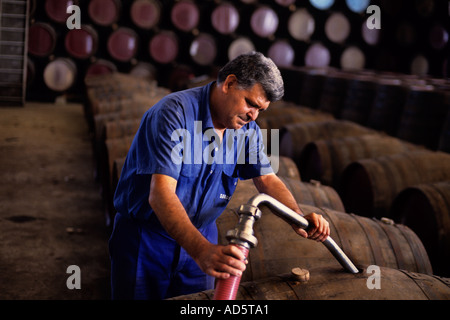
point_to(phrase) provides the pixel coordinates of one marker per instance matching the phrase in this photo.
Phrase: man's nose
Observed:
(253, 114)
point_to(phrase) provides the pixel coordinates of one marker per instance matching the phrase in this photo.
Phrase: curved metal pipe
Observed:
(292, 217)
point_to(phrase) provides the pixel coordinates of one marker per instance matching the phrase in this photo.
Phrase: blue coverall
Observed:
(174, 139)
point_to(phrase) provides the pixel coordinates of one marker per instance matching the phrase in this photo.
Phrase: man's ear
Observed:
(230, 82)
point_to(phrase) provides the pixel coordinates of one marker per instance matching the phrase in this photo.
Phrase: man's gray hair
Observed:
(252, 68)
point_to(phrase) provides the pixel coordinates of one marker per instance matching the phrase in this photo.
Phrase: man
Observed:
(170, 192)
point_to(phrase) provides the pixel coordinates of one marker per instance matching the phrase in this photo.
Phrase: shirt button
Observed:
(211, 171)
(217, 149)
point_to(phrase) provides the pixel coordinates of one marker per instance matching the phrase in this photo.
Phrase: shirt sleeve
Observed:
(155, 145)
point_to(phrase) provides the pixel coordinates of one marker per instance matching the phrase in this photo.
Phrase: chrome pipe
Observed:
(292, 217)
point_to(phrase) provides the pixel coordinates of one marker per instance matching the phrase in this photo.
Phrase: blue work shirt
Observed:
(176, 138)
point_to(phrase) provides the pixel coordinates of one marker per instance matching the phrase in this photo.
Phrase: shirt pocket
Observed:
(189, 190)
(226, 187)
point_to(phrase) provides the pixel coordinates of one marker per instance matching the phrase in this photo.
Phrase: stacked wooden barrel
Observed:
(329, 283)
(354, 161)
(426, 209)
(364, 240)
(384, 143)
(393, 250)
(115, 105)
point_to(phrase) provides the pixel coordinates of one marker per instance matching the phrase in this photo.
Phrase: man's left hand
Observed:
(318, 229)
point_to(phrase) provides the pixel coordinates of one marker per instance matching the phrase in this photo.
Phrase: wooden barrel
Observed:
(281, 113)
(225, 18)
(438, 37)
(311, 89)
(112, 81)
(264, 21)
(118, 119)
(324, 160)
(353, 58)
(114, 92)
(281, 52)
(423, 116)
(145, 71)
(145, 13)
(240, 45)
(444, 140)
(117, 171)
(333, 93)
(123, 44)
(104, 12)
(369, 186)
(100, 120)
(121, 128)
(122, 117)
(295, 136)
(312, 193)
(108, 102)
(388, 106)
(317, 55)
(185, 15)
(285, 167)
(114, 131)
(118, 82)
(293, 79)
(301, 24)
(56, 10)
(364, 240)
(116, 103)
(112, 149)
(41, 39)
(425, 208)
(359, 99)
(99, 68)
(203, 49)
(81, 43)
(337, 27)
(116, 148)
(163, 47)
(60, 74)
(332, 283)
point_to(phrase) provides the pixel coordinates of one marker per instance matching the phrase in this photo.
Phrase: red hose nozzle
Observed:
(226, 289)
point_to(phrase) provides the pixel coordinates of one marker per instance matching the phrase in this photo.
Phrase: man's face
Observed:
(242, 106)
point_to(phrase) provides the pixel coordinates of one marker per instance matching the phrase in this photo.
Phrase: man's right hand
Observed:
(221, 261)
(215, 260)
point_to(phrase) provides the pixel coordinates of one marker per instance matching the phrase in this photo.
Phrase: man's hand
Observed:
(217, 261)
(318, 229)
(221, 261)
(270, 184)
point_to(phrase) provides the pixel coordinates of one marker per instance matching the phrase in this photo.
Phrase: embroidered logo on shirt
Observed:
(224, 196)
